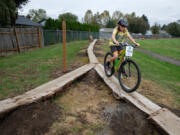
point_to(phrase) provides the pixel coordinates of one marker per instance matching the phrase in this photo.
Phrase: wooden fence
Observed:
(18, 39)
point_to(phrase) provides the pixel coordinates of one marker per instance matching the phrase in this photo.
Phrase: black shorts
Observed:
(116, 48)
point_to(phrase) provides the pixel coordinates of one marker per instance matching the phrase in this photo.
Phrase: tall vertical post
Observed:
(39, 37)
(17, 40)
(64, 44)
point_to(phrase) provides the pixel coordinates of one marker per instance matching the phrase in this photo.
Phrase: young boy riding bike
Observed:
(119, 35)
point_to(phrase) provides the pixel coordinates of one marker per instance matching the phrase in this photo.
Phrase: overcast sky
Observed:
(160, 11)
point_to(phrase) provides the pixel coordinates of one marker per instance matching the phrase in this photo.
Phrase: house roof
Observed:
(42, 22)
(21, 20)
(108, 30)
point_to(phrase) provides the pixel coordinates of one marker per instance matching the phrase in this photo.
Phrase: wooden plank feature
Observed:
(92, 57)
(167, 120)
(164, 118)
(43, 91)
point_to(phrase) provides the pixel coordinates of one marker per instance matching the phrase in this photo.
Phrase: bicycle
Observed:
(129, 74)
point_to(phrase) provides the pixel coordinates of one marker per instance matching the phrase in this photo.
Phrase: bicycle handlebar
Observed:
(127, 44)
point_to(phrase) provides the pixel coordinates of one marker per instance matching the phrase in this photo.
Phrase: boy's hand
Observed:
(117, 43)
(137, 44)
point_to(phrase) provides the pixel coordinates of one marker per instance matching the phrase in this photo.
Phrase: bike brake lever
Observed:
(134, 45)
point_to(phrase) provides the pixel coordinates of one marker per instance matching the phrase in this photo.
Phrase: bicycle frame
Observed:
(121, 58)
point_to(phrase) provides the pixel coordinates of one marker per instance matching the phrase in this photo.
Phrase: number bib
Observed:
(129, 51)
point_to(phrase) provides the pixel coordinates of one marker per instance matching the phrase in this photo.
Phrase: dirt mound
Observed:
(128, 120)
(101, 42)
(99, 54)
(34, 119)
(98, 49)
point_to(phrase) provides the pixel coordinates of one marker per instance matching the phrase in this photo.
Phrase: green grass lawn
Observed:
(25, 71)
(163, 73)
(166, 47)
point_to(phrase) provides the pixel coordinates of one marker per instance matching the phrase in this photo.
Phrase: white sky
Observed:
(160, 11)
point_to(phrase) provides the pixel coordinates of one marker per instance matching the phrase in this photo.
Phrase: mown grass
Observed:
(166, 47)
(22, 72)
(165, 74)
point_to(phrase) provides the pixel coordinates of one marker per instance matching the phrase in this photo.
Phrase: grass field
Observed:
(166, 47)
(165, 74)
(25, 71)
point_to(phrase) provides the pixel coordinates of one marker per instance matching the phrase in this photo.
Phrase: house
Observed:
(105, 33)
(23, 21)
(163, 33)
(148, 33)
(42, 22)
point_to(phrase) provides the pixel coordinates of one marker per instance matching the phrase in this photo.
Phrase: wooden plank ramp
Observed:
(43, 91)
(92, 57)
(164, 118)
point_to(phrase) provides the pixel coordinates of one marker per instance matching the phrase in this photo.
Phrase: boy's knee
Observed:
(116, 56)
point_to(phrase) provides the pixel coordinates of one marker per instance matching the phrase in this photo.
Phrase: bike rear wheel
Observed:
(129, 76)
(108, 67)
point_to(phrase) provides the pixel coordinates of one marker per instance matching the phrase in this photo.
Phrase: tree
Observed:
(178, 21)
(117, 15)
(68, 17)
(105, 17)
(8, 11)
(164, 27)
(144, 17)
(50, 24)
(88, 17)
(37, 15)
(173, 29)
(111, 23)
(155, 28)
(19, 3)
(97, 19)
(130, 16)
(137, 24)
(70, 25)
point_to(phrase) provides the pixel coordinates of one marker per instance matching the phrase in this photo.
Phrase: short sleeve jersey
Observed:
(120, 36)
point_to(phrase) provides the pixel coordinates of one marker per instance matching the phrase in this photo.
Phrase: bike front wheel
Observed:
(129, 76)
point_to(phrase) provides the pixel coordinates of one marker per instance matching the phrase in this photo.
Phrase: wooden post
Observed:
(64, 44)
(90, 36)
(39, 37)
(17, 40)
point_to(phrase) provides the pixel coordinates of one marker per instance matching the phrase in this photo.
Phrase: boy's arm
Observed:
(114, 39)
(114, 36)
(132, 40)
